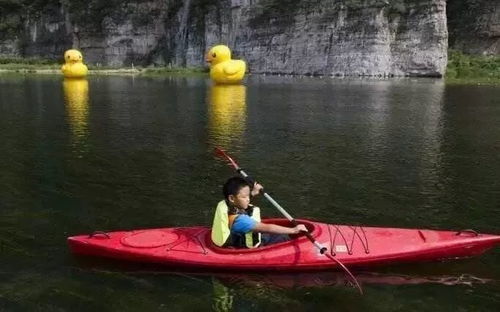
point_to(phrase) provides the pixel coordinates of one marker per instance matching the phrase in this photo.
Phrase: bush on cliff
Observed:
(463, 66)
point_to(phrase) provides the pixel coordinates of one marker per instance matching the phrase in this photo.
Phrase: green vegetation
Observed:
(472, 68)
(26, 61)
(28, 64)
(174, 70)
(39, 65)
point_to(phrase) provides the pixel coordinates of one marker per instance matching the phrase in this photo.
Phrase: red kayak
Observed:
(191, 247)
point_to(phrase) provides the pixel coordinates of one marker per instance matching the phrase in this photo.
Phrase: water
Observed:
(113, 153)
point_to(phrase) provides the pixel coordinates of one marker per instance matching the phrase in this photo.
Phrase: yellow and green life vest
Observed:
(221, 227)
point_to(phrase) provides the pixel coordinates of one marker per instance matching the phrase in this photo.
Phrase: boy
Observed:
(237, 223)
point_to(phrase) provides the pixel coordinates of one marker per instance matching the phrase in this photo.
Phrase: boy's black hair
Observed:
(233, 186)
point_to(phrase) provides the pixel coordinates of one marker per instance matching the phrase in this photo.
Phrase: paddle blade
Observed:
(219, 152)
(346, 270)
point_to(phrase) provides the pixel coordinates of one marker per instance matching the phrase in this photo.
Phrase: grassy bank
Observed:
(174, 71)
(44, 66)
(464, 68)
(27, 64)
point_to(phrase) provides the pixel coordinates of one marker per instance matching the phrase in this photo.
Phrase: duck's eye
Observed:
(214, 55)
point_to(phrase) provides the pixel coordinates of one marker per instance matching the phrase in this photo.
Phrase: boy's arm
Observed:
(278, 229)
(244, 224)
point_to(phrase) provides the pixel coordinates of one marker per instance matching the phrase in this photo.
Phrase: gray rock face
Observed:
(369, 38)
(308, 37)
(9, 48)
(124, 40)
(475, 26)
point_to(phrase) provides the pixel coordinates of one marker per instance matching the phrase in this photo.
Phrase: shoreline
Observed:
(166, 73)
(18, 68)
(58, 71)
(461, 69)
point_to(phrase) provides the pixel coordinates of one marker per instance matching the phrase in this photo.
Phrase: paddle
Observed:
(322, 249)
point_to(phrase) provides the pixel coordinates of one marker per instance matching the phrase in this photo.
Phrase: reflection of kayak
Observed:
(191, 247)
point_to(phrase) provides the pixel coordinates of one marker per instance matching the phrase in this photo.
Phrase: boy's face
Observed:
(242, 199)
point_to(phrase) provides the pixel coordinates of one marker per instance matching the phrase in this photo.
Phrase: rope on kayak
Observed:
(363, 241)
(332, 252)
(349, 246)
(189, 237)
(349, 249)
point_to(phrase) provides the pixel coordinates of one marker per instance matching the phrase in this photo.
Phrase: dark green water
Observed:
(127, 153)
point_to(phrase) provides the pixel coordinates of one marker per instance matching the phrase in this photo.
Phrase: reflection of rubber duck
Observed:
(76, 96)
(227, 112)
(73, 67)
(222, 69)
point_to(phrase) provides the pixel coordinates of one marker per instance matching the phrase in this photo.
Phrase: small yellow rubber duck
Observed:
(74, 67)
(224, 70)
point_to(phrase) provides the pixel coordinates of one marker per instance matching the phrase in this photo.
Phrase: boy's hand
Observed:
(256, 189)
(300, 228)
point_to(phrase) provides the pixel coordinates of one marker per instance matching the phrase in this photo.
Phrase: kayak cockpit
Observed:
(311, 227)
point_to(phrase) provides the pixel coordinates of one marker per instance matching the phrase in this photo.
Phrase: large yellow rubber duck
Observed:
(74, 67)
(224, 70)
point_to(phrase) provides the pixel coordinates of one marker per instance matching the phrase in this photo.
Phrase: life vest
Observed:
(221, 228)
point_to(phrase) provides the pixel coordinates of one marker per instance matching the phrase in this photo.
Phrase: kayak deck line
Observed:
(189, 237)
(191, 247)
(349, 249)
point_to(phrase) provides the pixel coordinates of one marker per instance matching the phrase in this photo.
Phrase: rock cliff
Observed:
(316, 37)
